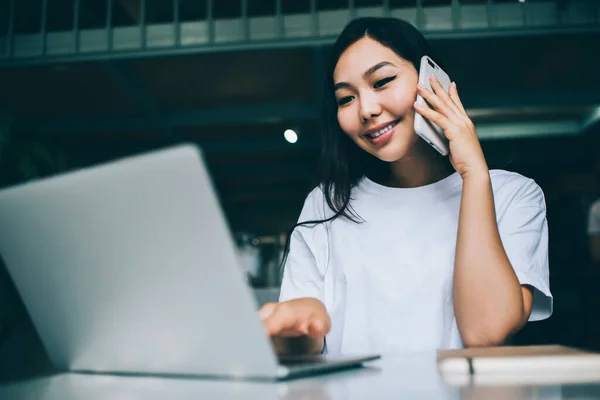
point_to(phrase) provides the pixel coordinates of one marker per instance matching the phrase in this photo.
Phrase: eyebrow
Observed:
(367, 73)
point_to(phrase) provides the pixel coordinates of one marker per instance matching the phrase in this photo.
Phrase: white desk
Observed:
(393, 377)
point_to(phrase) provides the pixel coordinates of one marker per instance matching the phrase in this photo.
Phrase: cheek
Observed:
(348, 121)
(402, 101)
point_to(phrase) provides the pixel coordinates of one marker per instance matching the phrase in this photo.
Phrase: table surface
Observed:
(412, 376)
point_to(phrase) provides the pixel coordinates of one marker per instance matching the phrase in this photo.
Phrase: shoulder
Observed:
(321, 205)
(315, 205)
(516, 189)
(315, 195)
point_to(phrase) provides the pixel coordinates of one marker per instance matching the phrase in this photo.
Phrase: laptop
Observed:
(129, 268)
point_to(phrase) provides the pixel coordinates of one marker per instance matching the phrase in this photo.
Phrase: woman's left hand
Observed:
(449, 114)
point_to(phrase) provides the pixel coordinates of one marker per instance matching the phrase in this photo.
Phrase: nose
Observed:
(369, 107)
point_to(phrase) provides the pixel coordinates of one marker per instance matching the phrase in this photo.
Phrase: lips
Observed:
(381, 134)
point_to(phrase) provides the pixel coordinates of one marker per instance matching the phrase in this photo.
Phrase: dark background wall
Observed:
(85, 82)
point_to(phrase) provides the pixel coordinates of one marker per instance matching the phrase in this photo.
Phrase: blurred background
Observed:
(87, 81)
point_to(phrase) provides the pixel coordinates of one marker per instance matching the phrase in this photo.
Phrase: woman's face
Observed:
(375, 90)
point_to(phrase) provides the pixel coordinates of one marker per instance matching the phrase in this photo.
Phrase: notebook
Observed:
(547, 364)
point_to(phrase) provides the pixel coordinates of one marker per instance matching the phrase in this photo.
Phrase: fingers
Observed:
(446, 102)
(272, 319)
(439, 99)
(443, 101)
(453, 93)
(282, 320)
(318, 328)
(314, 327)
(276, 320)
(448, 112)
(434, 116)
(266, 310)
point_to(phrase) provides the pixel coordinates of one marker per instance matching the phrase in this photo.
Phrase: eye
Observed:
(383, 82)
(344, 100)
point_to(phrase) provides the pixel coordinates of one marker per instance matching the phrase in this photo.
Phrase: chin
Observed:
(394, 151)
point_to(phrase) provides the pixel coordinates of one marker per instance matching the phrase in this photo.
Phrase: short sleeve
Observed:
(593, 227)
(304, 269)
(524, 233)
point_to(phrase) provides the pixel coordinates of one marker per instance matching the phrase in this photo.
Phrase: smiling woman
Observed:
(400, 248)
(360, 96)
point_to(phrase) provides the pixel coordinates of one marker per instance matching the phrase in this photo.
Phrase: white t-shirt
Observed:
(387, 282)
(594, 219)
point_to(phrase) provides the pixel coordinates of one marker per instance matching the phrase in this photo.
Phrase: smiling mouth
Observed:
(382, 131)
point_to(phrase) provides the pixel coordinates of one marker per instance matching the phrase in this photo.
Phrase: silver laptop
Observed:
(129, 267)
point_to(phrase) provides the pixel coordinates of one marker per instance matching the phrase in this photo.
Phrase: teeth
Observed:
(381, 131)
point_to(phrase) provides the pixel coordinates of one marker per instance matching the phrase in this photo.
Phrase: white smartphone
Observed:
(430, 132)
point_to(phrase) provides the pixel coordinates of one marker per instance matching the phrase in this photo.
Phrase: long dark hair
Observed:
(342, 163)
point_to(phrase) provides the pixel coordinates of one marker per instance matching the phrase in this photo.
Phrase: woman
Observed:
(394, 250)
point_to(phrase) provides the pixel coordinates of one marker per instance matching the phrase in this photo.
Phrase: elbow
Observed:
(483, 339)
(490, 334)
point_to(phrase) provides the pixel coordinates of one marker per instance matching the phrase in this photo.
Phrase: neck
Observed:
(420, 168)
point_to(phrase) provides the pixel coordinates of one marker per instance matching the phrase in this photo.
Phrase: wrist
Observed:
(477, 175)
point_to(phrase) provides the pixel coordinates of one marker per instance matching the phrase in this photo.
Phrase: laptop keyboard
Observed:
(301, 360)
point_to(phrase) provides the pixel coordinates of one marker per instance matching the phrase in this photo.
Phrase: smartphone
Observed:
(430, 132)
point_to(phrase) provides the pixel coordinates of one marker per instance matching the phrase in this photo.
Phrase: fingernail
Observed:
(454, 84)
(421, 86)
(417, 105)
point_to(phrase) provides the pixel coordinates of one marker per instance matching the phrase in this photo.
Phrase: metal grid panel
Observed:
(99, 29)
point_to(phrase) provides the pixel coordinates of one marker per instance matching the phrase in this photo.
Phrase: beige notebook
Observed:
(552, 364)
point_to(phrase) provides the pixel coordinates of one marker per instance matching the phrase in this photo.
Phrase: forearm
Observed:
(488, 298)
(299, 345)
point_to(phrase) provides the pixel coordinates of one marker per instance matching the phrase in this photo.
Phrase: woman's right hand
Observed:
(298, 317)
